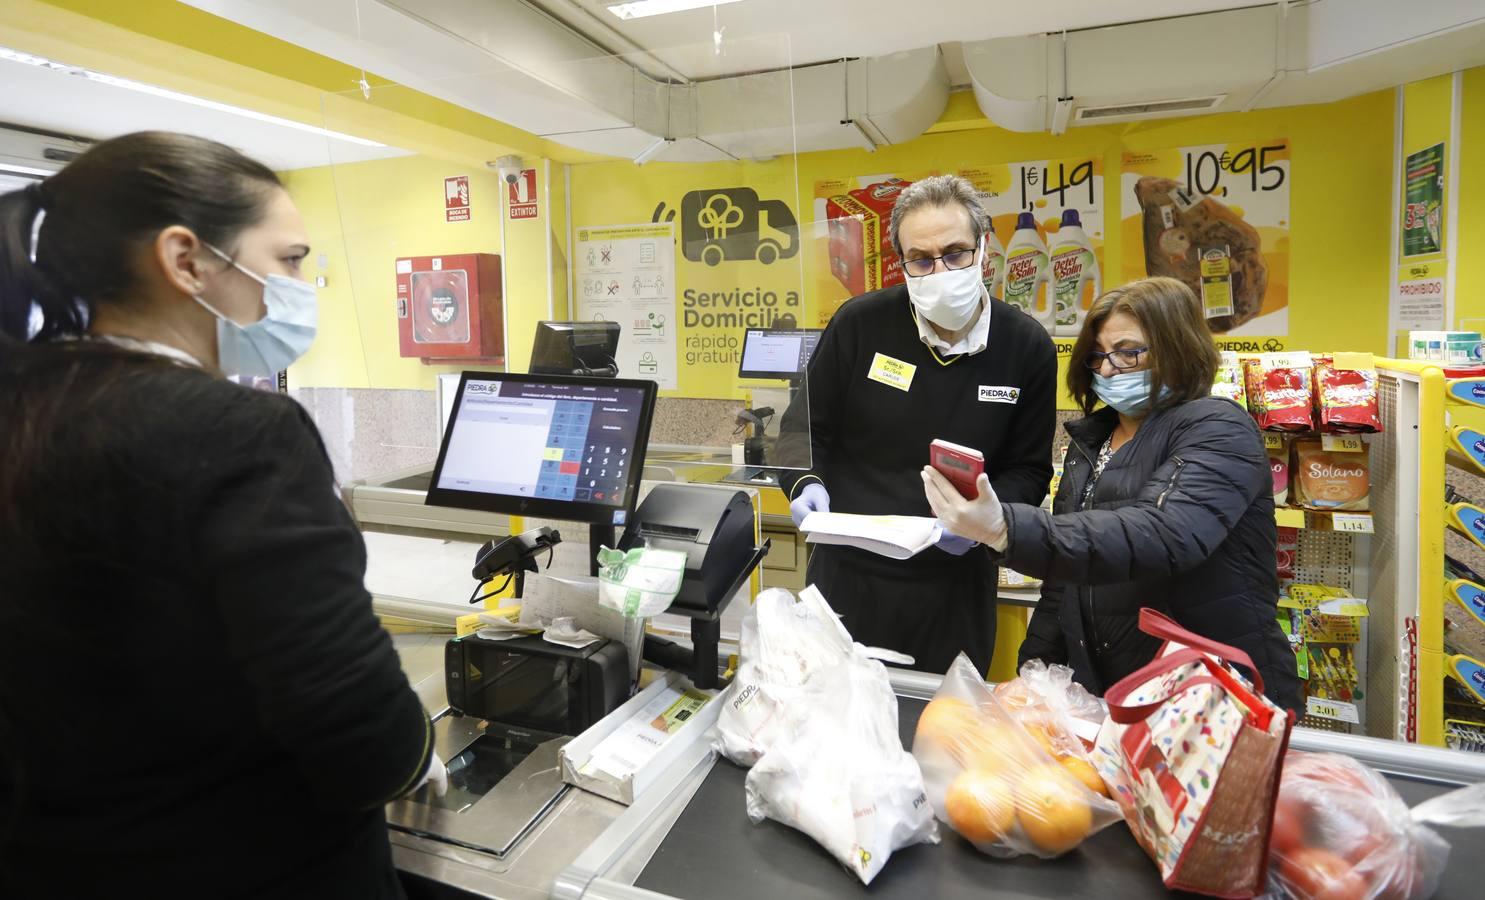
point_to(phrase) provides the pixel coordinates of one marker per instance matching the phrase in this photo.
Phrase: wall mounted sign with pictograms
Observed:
(521, 195)
(734, 224)
(456, 199)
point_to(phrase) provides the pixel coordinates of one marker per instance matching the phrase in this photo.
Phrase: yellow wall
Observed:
(366, 215)
(1469, 284)
(1340, 206)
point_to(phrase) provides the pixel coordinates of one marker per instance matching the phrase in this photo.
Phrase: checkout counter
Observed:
(511, 827)
(688, 836)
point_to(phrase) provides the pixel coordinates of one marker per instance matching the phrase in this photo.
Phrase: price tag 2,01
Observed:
(1355, 523)
(1342, 443)
(1338, 710)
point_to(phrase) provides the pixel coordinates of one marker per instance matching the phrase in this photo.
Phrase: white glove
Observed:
(980, 519)
(437, 776)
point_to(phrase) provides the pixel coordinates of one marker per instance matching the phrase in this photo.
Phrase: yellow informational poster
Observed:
(1217, 218)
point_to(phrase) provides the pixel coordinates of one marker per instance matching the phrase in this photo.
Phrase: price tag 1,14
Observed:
(1342, 443)
(1339, 710)
(1355, 523)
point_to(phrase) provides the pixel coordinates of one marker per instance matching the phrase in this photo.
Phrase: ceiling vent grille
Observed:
(1184, 106)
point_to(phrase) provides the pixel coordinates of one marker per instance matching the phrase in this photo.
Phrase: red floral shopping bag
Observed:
(1192, 753)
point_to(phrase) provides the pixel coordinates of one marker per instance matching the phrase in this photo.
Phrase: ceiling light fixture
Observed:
(639, 9)
(140, 87)
(14, 169)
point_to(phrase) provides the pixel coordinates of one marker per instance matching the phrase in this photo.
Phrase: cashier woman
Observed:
(195, 698)
(935, 357)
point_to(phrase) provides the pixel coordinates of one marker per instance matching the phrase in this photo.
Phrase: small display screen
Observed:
(777, 354)
(569, 448)
(520, 688)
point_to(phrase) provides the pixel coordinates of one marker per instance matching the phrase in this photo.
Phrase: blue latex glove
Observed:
(954, 545)
(814, 498)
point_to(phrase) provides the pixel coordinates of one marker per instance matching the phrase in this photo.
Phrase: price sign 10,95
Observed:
(1254, 167)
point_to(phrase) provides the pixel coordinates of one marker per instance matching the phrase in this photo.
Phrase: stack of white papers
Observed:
(897, 537)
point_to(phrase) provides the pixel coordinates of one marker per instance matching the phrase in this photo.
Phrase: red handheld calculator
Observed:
(961, 465)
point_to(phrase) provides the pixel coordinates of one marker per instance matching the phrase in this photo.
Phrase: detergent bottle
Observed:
(1072, 266)
(994, 266)
(1025, 270)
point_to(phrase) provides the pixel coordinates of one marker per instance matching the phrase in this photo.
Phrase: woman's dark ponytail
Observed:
(95, 213)
(21, 282)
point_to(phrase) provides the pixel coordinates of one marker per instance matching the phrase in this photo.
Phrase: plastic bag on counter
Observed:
(839, 773)
(1009, 775)
(783, 641)
(1049, 703)
(1340, 830)
(641, 582)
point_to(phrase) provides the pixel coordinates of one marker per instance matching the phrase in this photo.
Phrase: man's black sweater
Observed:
(869, 439)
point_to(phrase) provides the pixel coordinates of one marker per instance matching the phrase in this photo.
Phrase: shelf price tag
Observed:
(1339, 710)
(1355, 523)
(1273, 440)
(1342, 443)
(1289, 518)
(1359, 362)
(1296, 359)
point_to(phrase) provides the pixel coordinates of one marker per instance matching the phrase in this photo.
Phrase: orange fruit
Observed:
(980, 806)
(948, 723)
(1052, 810)
(989, 750)
(1083, 770)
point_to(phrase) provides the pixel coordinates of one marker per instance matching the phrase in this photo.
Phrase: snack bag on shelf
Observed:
(1345, 399)
(1008, 772)
(840, 774)
(1229, 380)
(1278, 464)
(1278, 398)
(1330, 480)
(1192, 753)
(1340, 830)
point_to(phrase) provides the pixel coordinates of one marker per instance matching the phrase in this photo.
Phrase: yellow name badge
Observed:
(892, 372)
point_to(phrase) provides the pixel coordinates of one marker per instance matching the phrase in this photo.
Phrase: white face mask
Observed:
(949, 299)
(272, 343)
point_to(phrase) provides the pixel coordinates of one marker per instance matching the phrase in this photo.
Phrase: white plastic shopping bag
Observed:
(839, 772)
(784, 640)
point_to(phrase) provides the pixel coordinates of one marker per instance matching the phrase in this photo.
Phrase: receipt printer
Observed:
(714, 528)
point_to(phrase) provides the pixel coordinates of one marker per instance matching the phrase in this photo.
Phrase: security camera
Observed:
(509, 168)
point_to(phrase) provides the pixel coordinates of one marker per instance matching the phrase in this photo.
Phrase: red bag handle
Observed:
(1157, 624)
(1259, 712)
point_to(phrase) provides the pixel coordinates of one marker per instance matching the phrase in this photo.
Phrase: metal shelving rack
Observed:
(1405, 634)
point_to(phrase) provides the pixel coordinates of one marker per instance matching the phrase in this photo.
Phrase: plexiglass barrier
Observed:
(645, 193)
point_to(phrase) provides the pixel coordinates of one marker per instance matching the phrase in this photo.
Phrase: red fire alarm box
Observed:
(449, 307)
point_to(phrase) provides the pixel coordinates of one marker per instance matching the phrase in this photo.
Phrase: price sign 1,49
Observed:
(1049, 182)
(1204, 170)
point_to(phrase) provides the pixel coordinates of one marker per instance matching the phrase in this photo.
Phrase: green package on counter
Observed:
(641, 582)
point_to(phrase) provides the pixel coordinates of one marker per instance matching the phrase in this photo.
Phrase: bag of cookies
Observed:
(1329, 480)
(1278, 397)
(1278, 464)
(1345, 399)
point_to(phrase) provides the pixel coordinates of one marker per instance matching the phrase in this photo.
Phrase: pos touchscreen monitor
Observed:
(777, 354)
(545, 445)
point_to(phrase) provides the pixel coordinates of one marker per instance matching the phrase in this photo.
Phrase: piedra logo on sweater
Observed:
(990, 393)
(733, 224)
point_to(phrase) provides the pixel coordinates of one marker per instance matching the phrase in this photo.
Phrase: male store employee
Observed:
(936, 357)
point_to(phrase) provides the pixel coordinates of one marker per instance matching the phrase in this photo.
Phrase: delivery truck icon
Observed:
(735, 224)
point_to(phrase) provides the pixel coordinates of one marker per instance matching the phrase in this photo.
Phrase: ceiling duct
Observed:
(511, 62)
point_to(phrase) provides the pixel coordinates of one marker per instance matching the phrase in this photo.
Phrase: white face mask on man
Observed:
(951, 298)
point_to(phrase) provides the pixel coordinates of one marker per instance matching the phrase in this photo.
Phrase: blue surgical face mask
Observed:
(1128, 392)
(272, 343)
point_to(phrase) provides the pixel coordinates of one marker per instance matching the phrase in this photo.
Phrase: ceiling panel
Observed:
(50, 100)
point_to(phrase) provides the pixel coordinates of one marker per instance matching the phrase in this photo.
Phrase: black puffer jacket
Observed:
(1181, 520)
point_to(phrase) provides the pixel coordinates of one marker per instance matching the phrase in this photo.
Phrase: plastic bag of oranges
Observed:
(1007, 774)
